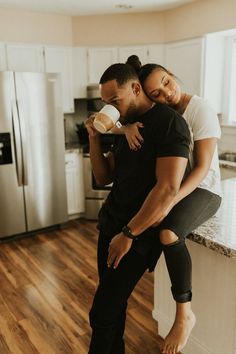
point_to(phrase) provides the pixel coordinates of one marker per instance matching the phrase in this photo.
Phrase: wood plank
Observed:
(47, 286)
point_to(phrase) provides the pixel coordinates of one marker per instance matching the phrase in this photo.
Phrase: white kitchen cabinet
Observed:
(185, 60)
(213, 301)
(99, 59)
(25, 57)
(74, 182)
(214, 70)
(80, 72)
(156, 54)
(3, 58)
(90, 63)
(140, 51)
(59, 60)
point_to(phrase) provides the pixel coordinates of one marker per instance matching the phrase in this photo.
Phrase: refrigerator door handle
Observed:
(17, 144)
(24, 145)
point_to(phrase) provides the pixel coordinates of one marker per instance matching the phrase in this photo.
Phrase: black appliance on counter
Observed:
(106, 139)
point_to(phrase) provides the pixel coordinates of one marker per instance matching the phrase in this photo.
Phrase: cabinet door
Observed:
(80, 72)
(23, 57)
(156, 54)
(75, 182)
(140, 51)
(3, 58)
(185, 60)
(59, 60)
(214, 76)
(99, 59)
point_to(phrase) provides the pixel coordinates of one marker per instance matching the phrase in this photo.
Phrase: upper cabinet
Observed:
(214, 71)
(90, 63)
(3, 58)
(24, 57)
(37, 58)
(80, 72)
(156, 54)
(140, 51)
(98, 61)
(59, 60)
(185, 60)
(147, 54)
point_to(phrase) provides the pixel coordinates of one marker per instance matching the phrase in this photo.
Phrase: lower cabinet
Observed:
(213, 301)
(74, 182)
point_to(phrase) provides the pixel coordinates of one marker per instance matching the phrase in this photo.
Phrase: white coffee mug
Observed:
(106, 119)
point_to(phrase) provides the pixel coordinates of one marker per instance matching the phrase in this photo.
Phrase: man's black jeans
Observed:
(108, 312)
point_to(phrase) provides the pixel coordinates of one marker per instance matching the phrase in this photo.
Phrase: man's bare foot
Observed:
(178, 336)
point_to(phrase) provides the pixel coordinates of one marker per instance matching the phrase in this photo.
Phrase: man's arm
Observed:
(102, 166)
(169, 174)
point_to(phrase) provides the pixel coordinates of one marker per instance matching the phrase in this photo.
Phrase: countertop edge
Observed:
(213, 245)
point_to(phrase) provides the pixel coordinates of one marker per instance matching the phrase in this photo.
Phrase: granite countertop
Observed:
(219, 232)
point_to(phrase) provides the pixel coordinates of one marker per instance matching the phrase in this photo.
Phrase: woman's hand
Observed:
(133, 135)
(119, 246)
(90, 127)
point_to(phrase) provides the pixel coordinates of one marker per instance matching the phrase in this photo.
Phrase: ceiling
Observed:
(92, 7)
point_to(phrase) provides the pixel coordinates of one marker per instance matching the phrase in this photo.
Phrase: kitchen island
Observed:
(213, 250)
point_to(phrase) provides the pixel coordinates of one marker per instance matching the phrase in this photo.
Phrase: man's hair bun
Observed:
(133, 60)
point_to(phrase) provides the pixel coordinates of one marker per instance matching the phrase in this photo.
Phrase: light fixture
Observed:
(123, 6)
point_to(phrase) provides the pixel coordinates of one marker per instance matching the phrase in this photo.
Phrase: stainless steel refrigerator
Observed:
(32, 163)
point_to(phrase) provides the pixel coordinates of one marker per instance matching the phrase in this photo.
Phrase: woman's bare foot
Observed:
(178, 336)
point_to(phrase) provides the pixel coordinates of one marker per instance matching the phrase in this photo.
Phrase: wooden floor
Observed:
(47, 286)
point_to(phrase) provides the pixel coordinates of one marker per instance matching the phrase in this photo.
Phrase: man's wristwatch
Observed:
(127, 232)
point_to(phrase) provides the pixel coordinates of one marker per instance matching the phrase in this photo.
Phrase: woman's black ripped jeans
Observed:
(186, 216)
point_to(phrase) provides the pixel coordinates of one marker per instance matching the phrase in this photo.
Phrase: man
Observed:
(145, 183)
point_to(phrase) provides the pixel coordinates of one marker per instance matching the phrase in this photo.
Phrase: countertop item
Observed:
(72, 146)
(219, 232)
(227, 164)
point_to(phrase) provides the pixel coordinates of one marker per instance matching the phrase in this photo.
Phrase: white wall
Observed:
(187, 21)
(198, 18)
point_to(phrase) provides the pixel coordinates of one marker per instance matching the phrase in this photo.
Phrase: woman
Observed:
(199, 197)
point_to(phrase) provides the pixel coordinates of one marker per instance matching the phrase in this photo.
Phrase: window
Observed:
(232, 91)
(229, 89)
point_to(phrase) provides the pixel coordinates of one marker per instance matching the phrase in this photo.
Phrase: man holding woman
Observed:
(146, 190)
(144, 185)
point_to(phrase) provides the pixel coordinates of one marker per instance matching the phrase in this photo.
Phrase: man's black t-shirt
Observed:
(165, 133)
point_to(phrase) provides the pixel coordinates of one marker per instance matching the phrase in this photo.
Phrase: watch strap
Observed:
(128, 233)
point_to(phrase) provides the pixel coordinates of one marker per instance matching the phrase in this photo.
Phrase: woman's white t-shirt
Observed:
(203, 123)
